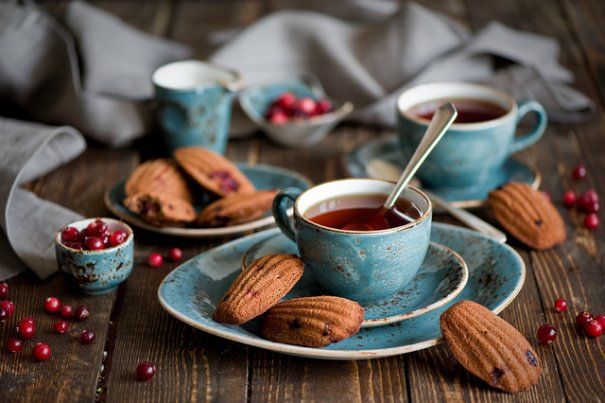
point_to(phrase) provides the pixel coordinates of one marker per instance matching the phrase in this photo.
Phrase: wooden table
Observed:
(131, 326)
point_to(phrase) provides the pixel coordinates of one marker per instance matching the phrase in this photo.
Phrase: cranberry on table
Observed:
(561, 305)
(579, 172)
(41, 351)
(583, 318)
(67, 311)
(26, 330)
(13, 345)
(155, 260)
(601, 319)
(145, 371)
(175, 254)
(8, 306)
(3, 291)
(569, 199)
(594, 328)
(3, 314)
(61, 326)
(27, 319)
(82, 313)
(52, 305)
(87, 337)
(546, 334)
(591, 195)
(591, 221)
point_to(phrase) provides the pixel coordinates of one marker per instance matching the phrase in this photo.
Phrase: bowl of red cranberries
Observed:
(96, 254)
(293, 113)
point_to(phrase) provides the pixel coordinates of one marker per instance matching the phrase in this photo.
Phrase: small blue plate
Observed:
(191, 291)
(386, 148)
(262, 176)
(441, 277)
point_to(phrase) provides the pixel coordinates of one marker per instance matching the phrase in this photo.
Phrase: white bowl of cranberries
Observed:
(293, 113)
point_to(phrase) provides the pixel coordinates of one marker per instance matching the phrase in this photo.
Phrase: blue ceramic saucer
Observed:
(441, 277)
(191, 291)
(262, 176)
(386, 148)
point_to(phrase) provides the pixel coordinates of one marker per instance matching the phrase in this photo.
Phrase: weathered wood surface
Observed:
(192, 365)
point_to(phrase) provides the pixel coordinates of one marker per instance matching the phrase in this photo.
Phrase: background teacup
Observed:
(479, 142)
(361, 265)
(194, 101)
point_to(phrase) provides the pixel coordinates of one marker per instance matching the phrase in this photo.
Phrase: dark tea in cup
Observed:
(469, 110)
(363, 213)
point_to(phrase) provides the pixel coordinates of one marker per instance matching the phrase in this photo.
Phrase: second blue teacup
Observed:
(362, 264)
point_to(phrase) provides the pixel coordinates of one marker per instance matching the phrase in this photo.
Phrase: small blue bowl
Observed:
(99, 271)
(255, 100)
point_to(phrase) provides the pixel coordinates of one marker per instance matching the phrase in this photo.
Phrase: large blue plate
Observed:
(191, 291)
(262, 176)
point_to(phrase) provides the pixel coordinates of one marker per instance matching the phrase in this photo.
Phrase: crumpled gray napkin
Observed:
(371, 63)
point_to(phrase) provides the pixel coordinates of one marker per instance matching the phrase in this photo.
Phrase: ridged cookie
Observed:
(213, 171)
(158, 176)
(489, 347)
(236, 208)
(160, 209)
(312, 321)
(259, 287)
(527, 215)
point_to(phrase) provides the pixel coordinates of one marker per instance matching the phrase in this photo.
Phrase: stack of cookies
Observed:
(162, 191)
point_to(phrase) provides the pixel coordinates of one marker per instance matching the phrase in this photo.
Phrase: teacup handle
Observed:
(281, 203)
(526, 106)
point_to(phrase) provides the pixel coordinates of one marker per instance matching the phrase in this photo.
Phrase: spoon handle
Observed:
(442, 119)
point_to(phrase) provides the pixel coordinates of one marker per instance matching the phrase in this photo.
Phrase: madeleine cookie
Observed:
(312, 321)
(236, 208)
(258, 288)
(213, 171)
(489, 347)
(527, 215)
(160, 209)
(158, 176)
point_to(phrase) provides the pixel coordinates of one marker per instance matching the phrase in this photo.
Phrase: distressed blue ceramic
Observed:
(255, 101)
(469, 153)
(191, 292)
(100, 271)
(441, 277)
(262, 176)
(364, 266)
(193, 101)
(386, 148)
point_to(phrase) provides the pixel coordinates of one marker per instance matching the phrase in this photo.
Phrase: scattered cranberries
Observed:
(87, 337)
(8, 306)
(82, 313)
(601, 319)
(175, 254)
(569, 199)
(13, 345)
(67, 311)
(52, 305)
(583, 318)
(26, 330)
(27, 319)
(546, 334)
(579, 172)
(591, 221)
(287, 107)
(3, 314)
(155, 260)
(145, 371)
(61, 326)
(41, 351)
(561, 305)
(3, 291)
(594, 328)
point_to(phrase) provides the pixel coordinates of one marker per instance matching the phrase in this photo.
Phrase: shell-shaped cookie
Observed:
(489, 347)
(312, 321)
(160, 209)
(213, 171)
(259, 287)
(158, 176)
(236, 208)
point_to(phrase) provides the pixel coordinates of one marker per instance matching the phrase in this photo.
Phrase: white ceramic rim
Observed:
(113, 225)
(189, 75)
(456, 90)
(387, 186)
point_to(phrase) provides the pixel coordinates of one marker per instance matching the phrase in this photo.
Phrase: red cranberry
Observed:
(97, 228)
(87, 337)
(601, 319)
(546, 334)
(569, 199)
(52, 305)
(70, 234)
(94, 243)
(41, 351)
(67, 311)
(3, 291)
(3, 314)
(305, 105)
(286, 101)
(61, 326)
(145, 371)
(594, 328)
(8, 306)
(175, 254)
(278, 117)
(583, 318)
(323, 106)
(27, 319)
(118, 237)
(582, 202)
(14, 345)
(74, 245)
(82, 313)
(561, 305)
(592, 207)
(26, 330)
(591, 221)
(155, 260)
(579, 172)
(591, 195)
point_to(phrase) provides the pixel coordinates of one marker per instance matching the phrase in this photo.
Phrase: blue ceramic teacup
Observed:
(96, 271)
(469, 153)
(364, 266)
(194, 101)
